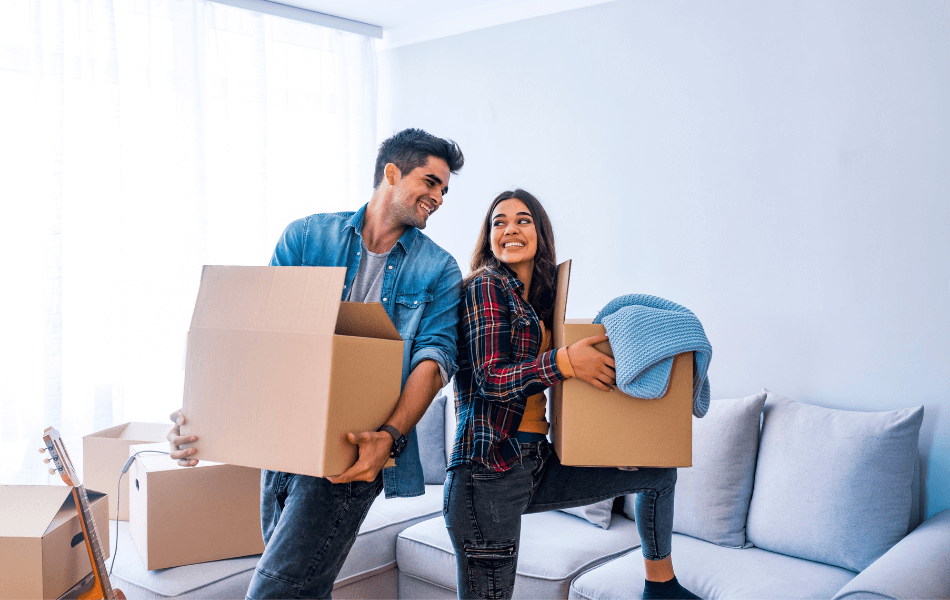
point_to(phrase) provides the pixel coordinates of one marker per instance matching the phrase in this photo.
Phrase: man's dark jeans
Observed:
(309, 526)
(483, 509)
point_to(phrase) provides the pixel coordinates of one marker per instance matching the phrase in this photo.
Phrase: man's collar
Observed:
(406, 240)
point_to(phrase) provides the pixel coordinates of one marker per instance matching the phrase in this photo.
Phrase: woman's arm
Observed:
(487, 332)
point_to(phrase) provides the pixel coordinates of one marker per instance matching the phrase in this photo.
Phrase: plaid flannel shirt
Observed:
(499, 368)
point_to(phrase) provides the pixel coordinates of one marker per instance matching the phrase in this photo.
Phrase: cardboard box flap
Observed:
(153, 462)
(365, 320)
(69, 509)
(133, 431)
(293, 299)
(33, 508)
(560, 302)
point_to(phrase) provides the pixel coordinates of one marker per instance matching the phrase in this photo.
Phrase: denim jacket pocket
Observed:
(416, 300)
(408, 313)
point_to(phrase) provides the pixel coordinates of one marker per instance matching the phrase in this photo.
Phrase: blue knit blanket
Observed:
(645, 334)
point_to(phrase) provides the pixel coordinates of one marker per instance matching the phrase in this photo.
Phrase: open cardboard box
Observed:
(42, 549)
(187, 515)
(279, 369)
(105, 453)
(611, 429)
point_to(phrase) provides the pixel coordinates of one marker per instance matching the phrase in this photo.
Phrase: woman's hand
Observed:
(592, 365)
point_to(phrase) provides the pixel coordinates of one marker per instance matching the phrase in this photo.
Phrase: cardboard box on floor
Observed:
(611, 429)
(279, 369)
(187, 515)
(105, 453)
(42, 550)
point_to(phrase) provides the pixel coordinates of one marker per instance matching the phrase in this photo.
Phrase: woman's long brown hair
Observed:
(541, 294)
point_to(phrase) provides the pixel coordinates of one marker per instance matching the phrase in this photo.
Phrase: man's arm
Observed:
(374, 446)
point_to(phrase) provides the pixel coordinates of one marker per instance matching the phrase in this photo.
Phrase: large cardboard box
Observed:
(278, 369)
(187, 515)
(611, 429)
(105, 453)
(42, 549)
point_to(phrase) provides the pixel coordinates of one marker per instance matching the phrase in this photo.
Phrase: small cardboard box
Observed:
(42, 549)
(611, 429)
(187, 515)
(105, 453)
(278, 369)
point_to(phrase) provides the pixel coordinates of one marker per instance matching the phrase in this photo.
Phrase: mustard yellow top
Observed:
(534, 419)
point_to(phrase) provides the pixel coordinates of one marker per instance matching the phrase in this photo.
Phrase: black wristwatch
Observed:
(399, 440)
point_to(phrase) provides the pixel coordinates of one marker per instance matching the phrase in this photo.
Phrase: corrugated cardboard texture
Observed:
(365, 372)
(41, 555)
(611, 429)
(292, 299)
(187, 515)
(105, 452)
(279, 392)
(367, 320)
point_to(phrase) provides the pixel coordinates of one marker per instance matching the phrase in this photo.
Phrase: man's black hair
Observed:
(411, 148)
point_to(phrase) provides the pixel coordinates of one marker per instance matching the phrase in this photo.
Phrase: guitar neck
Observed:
(92, 539)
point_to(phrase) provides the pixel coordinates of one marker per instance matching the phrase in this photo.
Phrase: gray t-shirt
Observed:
(368, 283)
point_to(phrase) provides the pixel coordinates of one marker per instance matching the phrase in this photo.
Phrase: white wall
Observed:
(779, 168)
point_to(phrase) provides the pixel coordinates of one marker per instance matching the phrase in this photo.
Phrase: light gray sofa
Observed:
(785, 500)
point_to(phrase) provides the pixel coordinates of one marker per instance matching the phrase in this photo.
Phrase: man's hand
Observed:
(374, 449)
(592, 365)
(175, 439)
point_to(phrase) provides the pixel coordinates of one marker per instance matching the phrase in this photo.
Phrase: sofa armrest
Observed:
(916, 567)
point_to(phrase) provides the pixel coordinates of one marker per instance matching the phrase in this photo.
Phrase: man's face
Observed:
(419, 193)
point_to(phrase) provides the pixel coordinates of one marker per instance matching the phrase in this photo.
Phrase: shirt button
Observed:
(390, 266)
(357, 253)
(416, 302)
(385, 299)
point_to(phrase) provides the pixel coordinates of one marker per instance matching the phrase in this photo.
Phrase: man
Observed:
(310, 523)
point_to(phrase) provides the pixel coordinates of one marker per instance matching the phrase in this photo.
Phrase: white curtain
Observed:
(139, 140)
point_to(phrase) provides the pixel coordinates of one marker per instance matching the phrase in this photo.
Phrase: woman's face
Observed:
(514, 240)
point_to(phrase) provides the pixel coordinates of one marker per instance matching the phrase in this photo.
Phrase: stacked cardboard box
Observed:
(105, 452)
(186, 515)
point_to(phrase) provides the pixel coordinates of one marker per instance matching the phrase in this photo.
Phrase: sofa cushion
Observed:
(217, 579)
(374, 552)
(430, 431)
(715, 572)
(554, 548)
(712, 497)
(598, 513)
(833, 486)
(375, 546)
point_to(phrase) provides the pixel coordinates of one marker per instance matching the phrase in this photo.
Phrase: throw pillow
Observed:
(833, 486)
(430, 432)
(712, 497)
(597, 513)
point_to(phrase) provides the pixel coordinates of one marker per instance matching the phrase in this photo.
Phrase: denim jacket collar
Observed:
(356, 222)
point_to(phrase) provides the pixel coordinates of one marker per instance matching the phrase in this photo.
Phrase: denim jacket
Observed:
(420, 293)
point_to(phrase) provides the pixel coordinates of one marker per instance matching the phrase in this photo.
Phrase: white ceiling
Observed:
(411, 21)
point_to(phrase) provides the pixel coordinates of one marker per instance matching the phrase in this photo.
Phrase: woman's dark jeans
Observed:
(483, 508)
(309, 526)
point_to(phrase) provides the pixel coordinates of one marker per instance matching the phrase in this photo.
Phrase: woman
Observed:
(502, 465)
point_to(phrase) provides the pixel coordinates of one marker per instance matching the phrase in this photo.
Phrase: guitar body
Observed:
(101, 588)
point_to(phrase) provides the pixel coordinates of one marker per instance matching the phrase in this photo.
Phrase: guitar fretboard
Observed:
(93, 534)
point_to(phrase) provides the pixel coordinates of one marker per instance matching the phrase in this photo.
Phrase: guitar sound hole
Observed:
(136, 484)
(77, 539)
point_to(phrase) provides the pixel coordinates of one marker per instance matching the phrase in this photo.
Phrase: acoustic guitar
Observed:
(101, 588)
